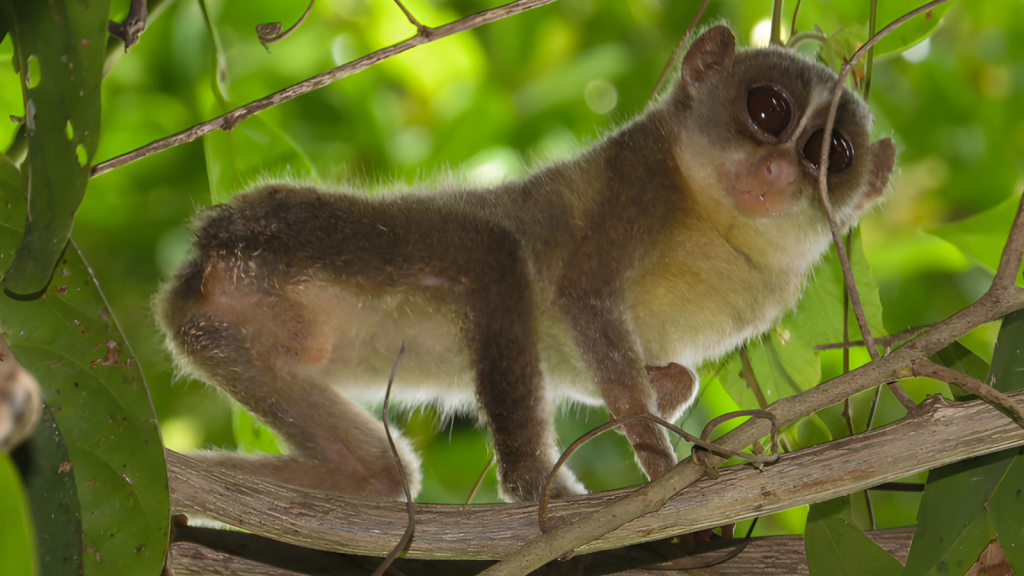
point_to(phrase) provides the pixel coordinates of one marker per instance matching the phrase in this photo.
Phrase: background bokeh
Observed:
(486, 105)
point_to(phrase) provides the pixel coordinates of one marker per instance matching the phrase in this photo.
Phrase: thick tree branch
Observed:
(231, 119)
(239, 554)
(945, 433)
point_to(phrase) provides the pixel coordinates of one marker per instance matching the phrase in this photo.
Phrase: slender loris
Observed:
(599, 279)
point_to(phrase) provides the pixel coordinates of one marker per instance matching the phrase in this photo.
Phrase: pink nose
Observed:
(774, 174)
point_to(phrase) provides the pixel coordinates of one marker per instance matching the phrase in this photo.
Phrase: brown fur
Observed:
(573, 283)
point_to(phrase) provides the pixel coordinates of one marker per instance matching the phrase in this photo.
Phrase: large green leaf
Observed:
(981, 237)
(953, 524)
(837, 16)
(836, 547)
(912, 31)
(17, 542)
(967, 504)
(69, 340)
(50, 484)
(59, 52)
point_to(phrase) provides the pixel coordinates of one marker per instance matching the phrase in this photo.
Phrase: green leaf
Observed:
(961, 358)
(804, 433)
(981, 237)
(69, 340)
(254, 149)
(967, 504)
(836, 547)
(1007, 360)
(59, 51)
(50, 485)
(251, 436)
(17, 542)
(953, 524)
(912, 31)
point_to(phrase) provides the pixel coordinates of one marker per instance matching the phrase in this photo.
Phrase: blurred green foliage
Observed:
(486, 105)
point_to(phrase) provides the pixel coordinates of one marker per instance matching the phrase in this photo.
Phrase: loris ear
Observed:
(883, 158)
(711, 53)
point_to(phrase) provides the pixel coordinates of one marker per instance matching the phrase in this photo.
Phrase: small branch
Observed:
(231, 119)
(885, 342)
(1013, 253)
(776, 34)
(271, 32)
(747, 373)
(480, 480)
(133, 27)
(798, 39)
(792, 27)
(872, 23)
(994, 397)
(421, 30)
(677, 53)
(410, 510)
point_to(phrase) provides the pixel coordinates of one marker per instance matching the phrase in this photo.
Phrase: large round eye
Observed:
(769, 109)
(840, 154)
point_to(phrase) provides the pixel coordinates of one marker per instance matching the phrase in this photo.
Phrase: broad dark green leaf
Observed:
(69, 340)
(1007, 360)
(967, 504)
(17, 541)
(836, 547)
(59, 52)
(953, 524)
(49, 478)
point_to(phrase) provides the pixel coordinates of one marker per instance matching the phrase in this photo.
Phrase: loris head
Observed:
(752, 126)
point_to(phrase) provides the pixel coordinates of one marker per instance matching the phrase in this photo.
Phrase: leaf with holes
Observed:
(59, 52)
(69, 340)
(836, 547)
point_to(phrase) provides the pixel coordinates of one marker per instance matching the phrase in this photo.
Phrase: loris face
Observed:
(763, 113)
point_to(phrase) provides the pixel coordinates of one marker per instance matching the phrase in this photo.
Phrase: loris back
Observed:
(601, 279)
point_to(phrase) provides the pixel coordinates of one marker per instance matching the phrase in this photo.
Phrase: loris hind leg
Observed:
(675, 387)
(264, 351)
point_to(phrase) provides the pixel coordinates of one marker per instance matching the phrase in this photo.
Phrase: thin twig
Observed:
(844, 259)
(133, 27)
(994, 397)
(677, 52)
(798, 39)
(885, 341)
(231, 119)
(271, 32)
(420, 28)
(747, 373)
(776, 35)
(480, 480)
(872, 22)
(690, 564)
(792, 27)
(411, 527)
